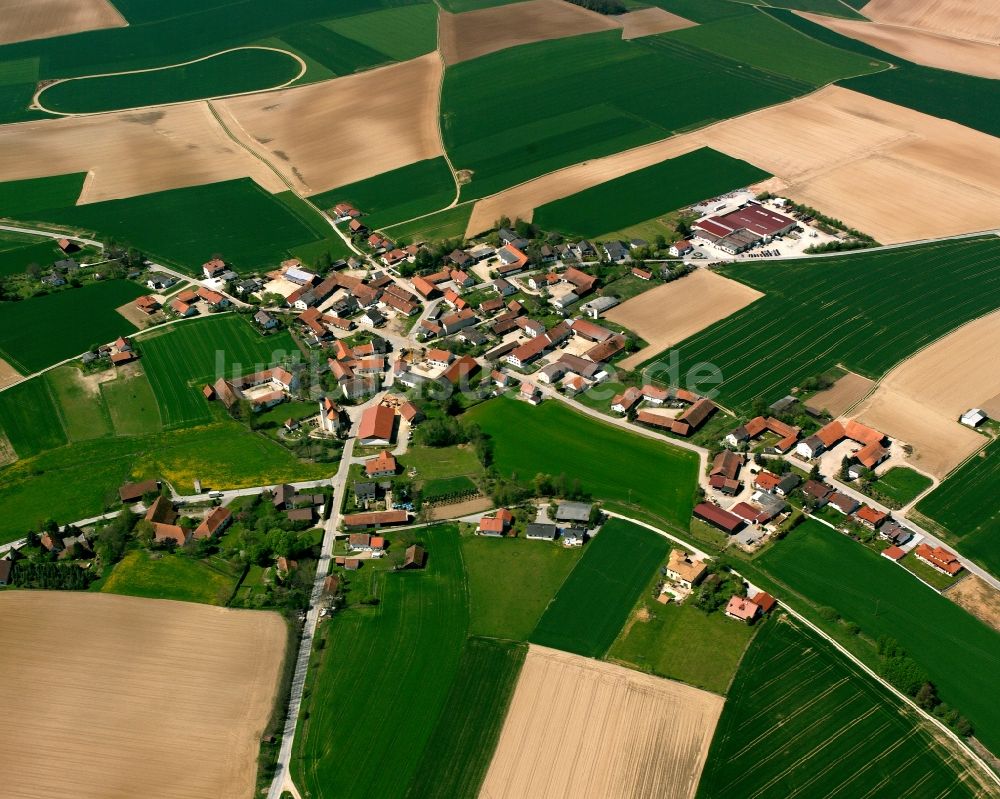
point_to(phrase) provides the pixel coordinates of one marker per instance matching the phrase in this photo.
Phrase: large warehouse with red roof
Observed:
(742, 228)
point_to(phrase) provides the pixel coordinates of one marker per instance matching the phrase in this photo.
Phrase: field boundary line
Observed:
(239, 142)
(35, 103)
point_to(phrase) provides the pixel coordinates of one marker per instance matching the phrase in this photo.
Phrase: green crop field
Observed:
(78, 405)
(801, 720)
(460, 748)
(29, 418)
(902, 485)
(181, 359)
(645, 193)
(763, 42)
(381, 681)
(172, 576)
(15, 258)
(42, 331)
(441, 225)
(532, 573)
(966, 99)
(682, 642)
(833, 8)
(637, 475)
(401, 33)
(23, 198)
(397, 195)
(131, 405)
(232, 72)
(237, 219)
(819, 312)
(593, 604)
(959, 652)
(965, 508)
(695, 10)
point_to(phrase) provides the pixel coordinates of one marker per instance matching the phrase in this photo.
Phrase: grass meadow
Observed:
(587, 614)
(397, 195)
(631, 473)
(81, 408)
(447, 224)
(234, 72)
(159, 575)
(41, 331)
(29, 417)
(179, 360)
(645, 193)
(959, 653)
(964, 508)
(902, 485)
(820, 312)
(17, 254)
(801, 720)
(400, 33)
(532, 572)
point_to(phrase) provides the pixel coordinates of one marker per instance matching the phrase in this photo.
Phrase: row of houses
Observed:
(163, 517)
(697, 409)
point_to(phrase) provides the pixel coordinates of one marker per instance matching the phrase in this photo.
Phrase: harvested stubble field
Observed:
(23, 20)
(650, 21)
(630, 735)
(921, 47)
(477, 33)
(674, 311)
(129, 153)
(341, 131)
(966, 19)
(978, 597)
(156, 698)
(801, 720)
(769, 347)
(843, 395)
(919, 401)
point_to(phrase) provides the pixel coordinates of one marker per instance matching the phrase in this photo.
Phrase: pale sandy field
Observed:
(648, 21)
(920, 46)
(966, 19)
(338, 131)
(456, 509)
(842, 395)
(476, 33)
(919, 401)
(114, 697)
(128, 153)
(673, 311)
(21, 20)
(583, 729)
(8, 374)
(854, 157)
(979, 598)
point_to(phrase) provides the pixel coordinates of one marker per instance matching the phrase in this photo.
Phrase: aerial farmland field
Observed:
(41, 331)
(29, 418)
(17, 255)
(801, 720)
(174, 701)
(646, 193)
(165, 575)
(552, 439)
(769, 347)
(964, 507)
(587, 614)
(181, 359)
(959, 653)
(400, 32)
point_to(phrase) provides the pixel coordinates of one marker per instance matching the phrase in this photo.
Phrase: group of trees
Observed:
(718, 587)
(602, 6)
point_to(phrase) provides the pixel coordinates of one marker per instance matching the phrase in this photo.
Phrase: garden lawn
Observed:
(41, 331)
(771, 345)
(397, 195)
(181, 359)
(965, 509)
(648, 192)
(532, 573)
(684, 643)
(460, 748)
(960, 654)
(172, 576)
(132, 405)
(401, 33)
(801, 720)
(437, 462)
(29, 417)
(902, 485)
(638, 475)
(83, 413)
(593, 604)
(406, 650)
(234, 72)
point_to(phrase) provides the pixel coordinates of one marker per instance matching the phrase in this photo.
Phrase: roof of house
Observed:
(764, 601)
(681, 563)
(130, 492)
(940, 557)
(460, 368)
(814, 488)
(742, 608)
(169, 532)
(377, 422)
(211, 524)
(491, 524)
(573, 511)
(717, 516)
(591, 331)
(893, 552)
(843, 502)
(383, 462)
(869, 514)
(375, 517)
(162, 510)
(727, 464)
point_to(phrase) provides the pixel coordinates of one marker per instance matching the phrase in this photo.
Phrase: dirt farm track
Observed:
(583, 729)
(114, 697)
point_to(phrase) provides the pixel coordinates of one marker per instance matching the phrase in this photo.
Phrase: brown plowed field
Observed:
(673, 311)
(921, 47)
(919, 401)
(21, 20)
(966, 19)
(584, 729)
(648, 21)
(339, 131)
(979, 598)
(115, 697)
(887, 170)
(128, 153)
(842, 395)
(475, 33)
